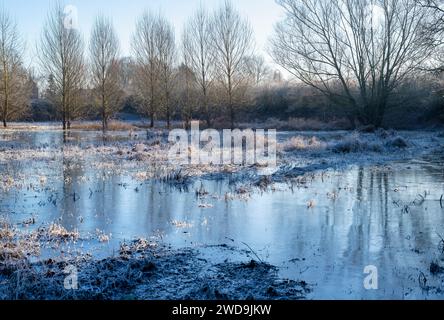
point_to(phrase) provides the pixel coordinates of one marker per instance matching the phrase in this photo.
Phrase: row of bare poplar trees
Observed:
(358, 53)
(212, 64)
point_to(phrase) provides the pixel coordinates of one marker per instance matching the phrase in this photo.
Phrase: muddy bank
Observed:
(147, 271)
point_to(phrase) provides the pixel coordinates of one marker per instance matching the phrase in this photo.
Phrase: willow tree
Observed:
(61, 55)
(166, 55)
(146, 71)
(357, 52)
(232, 41)
(104, 50)
(199, 57)
(15, 90)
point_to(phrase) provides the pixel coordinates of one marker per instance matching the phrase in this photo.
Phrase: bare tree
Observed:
(104, 48)
(186, 81)
(15, 91)
(437, 8)
(166, 54)
(186, 92)
(232, 40)
(199, 55)
(257, 69)
(357, 52)
(147, 66)
(435, 27)
(61, 55)
(127, 70)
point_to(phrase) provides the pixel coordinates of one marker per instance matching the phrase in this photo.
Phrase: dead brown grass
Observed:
(14, 246)
(301, 143)
(97, 126)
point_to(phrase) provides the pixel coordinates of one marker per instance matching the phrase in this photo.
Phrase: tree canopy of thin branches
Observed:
(357, 52)
(232, 41)
(199, 57)
(166, 57)
(257, 69)
(146, 52)
(14, 84)
(61, 55)
(105, 71)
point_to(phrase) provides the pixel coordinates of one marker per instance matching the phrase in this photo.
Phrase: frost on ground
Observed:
(141, 270)
(147, 158)
(307, 154)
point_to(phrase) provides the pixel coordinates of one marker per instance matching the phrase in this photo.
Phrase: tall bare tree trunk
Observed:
(6, 106)
(104, 50)
(64, 110)
(231, 38)
(200, 55)
(207, 109)
(61, 54)
(6, 93)
(14, 95)
(168, 109)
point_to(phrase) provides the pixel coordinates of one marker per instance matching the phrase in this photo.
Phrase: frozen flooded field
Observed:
(338, 203)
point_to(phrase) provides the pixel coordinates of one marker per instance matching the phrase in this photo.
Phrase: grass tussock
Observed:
(56, 232)
(374, 143)
(398, 142)
(301, 143)
(355, 144)
(6, 231)
(16, 247)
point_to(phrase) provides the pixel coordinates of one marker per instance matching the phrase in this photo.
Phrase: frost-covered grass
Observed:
(141, 269)
(354, 142)
(309, 153)
(16, 246)
(147, 157)
(301, 143)
(58, 232)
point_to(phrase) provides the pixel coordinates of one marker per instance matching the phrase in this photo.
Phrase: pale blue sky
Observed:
(31, 14)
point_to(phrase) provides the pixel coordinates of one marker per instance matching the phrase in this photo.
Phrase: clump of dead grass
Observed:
(56, 232)
(300, 143)
(97, 126)
(16, 246)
